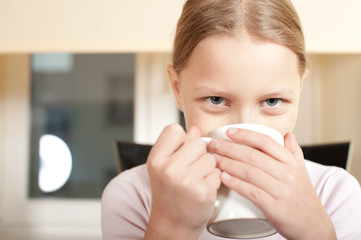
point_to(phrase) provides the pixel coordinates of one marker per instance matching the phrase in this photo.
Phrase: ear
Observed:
(174, 82)
(304, 77)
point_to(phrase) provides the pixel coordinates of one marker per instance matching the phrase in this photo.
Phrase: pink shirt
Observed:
(126, 203)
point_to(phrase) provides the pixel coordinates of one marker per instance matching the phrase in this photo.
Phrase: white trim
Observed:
(155, 107)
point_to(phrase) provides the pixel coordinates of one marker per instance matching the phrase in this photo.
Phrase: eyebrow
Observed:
(207, 88)
(278, 93)
(214, 91)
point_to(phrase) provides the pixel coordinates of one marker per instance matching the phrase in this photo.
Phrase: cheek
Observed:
(204, 122)
(286, 124)
(204, 125)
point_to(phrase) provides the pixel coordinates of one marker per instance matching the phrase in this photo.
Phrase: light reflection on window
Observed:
(49, 63)
(55, 163)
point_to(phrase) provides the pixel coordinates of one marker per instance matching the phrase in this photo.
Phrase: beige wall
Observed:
(341, 102)
(148, 25)
(330, 104)
(331, 26)
(82, 25)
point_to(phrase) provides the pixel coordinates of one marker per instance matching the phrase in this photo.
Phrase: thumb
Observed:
(292, 145)
(171, 138)
(193, 132)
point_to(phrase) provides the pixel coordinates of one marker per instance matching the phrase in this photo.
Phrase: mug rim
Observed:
(220, 132)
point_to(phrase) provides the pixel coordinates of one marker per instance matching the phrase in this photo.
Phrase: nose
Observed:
(246, 115)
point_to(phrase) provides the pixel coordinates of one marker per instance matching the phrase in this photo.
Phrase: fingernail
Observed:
(214, 143)
(225, 176)
(217, 157)
(232, 131)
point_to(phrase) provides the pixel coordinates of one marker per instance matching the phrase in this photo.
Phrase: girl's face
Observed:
(238, 80)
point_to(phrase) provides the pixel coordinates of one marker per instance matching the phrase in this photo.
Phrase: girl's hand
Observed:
(276, 180)
(184, 181)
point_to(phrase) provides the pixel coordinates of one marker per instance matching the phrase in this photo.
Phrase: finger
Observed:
(292, 145)
(171, 138)
(214, 179)
(251, 174)
(249, 155)
(189, 152)
(191, 149)
(256, 195)
(206, 189)
(259, 141)
(203, 166)
(193, 132)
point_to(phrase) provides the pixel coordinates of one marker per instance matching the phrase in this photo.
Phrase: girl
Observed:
(234, 61)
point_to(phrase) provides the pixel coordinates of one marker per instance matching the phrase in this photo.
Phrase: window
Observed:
(80, 104)
(68, 214)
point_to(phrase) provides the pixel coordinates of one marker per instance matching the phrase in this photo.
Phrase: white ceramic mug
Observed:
(234, 216)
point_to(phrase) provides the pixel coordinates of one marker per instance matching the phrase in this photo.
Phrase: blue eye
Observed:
(215, 100)
(272, 102)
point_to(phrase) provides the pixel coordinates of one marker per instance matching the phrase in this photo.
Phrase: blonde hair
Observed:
(268, 20)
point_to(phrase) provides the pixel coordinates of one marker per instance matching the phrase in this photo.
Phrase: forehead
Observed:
(241, 60)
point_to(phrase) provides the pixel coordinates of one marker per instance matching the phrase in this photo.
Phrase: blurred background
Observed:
(75, 76)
